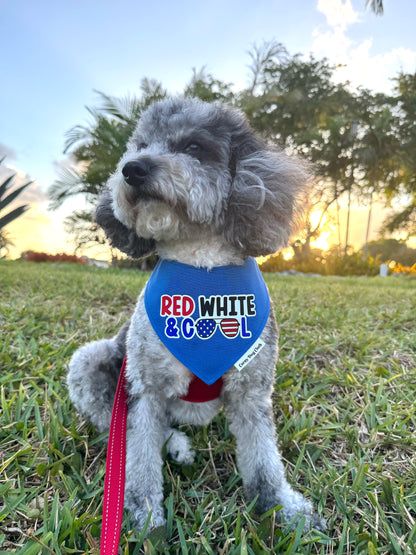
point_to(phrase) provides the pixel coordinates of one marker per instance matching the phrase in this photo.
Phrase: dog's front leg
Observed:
(259, 460)
(144, 481)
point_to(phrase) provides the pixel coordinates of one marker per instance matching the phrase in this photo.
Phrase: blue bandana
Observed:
(208, 319)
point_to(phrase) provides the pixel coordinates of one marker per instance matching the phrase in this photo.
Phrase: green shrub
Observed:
(328, 263)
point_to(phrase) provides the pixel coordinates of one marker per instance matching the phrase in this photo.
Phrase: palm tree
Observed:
(376, 6)
(95, 150)
(5, 200)
(97, 147)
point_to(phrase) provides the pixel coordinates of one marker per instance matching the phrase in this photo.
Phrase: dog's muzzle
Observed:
(135, 172)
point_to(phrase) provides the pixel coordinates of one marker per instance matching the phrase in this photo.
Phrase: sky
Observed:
(55, 55)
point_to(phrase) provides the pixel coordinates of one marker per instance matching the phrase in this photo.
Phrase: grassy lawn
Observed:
(345, 405)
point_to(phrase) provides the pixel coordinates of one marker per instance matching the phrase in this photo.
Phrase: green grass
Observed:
(345, 405)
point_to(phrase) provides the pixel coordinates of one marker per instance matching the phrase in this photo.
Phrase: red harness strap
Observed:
(198, 392)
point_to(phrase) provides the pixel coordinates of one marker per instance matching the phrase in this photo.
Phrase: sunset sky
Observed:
(56, 53)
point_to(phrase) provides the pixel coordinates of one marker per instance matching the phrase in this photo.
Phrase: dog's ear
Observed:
(120, 236)
(266, 196)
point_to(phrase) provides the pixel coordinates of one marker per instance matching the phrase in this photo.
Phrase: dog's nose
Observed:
(136, 172)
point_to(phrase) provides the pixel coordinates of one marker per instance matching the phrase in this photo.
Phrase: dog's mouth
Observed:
(135, 195)
(138, 182)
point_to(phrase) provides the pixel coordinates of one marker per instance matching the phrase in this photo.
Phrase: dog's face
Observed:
(176, 173)
(195, 167)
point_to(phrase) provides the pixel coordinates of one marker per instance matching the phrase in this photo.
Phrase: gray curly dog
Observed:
(200, 188)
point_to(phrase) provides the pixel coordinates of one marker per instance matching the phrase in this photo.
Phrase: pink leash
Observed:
(115, 471)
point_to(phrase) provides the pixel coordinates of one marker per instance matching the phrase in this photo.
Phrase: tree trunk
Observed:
(367, 233)
(338, 227)
(347, 232)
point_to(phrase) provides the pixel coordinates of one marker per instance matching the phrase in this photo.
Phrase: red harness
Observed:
(198, 392)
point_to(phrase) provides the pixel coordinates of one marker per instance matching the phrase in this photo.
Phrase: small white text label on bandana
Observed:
(250, 354)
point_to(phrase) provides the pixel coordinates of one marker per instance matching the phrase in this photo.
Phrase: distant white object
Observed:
(95, 262)
(384, 270)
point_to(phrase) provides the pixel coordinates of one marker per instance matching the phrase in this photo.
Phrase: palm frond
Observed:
(4, 220)
(68, 184)
(76, 134)
(376, 6)
(6, 184)
(85, 232)
(7, 200)
(123, 109)
(152, 90)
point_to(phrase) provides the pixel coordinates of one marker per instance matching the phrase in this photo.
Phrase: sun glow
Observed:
(323, 222)
(322, 241)
(288, 254)
(317, 219)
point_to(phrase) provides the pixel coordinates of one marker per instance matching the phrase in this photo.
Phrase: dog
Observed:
(201, 189)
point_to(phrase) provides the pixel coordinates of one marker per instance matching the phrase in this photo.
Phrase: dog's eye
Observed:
(141, 146)
(192, 148)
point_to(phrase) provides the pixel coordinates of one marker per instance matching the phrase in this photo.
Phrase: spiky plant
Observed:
(7, 198)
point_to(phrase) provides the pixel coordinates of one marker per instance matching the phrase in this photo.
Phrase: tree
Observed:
(350, 138)
(388, 250)
(401, 184)
(295, 103)
(203, 85)
(290, 98)
(94, 151)
(377, 147)
(96, 148)
(7, 198)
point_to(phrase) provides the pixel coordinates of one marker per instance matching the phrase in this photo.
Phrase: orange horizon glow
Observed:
(42, 231)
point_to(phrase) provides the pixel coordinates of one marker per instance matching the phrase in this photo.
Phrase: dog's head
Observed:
(192, 166)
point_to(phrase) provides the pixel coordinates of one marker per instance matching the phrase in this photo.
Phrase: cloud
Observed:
(354, 60)
(376, 72)
(332, 44)
(36, 231)
(31, 195)
(7, 152)
(338, 13)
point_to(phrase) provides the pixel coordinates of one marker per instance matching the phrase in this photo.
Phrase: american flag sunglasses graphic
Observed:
(205, 327)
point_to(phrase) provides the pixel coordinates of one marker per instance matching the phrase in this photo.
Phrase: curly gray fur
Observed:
(120, 237)
(199, 186)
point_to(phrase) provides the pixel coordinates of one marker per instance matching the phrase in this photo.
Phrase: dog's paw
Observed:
(312, 521)
(149, 519)
(296, 507)
(179, 447)
(318, 522)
